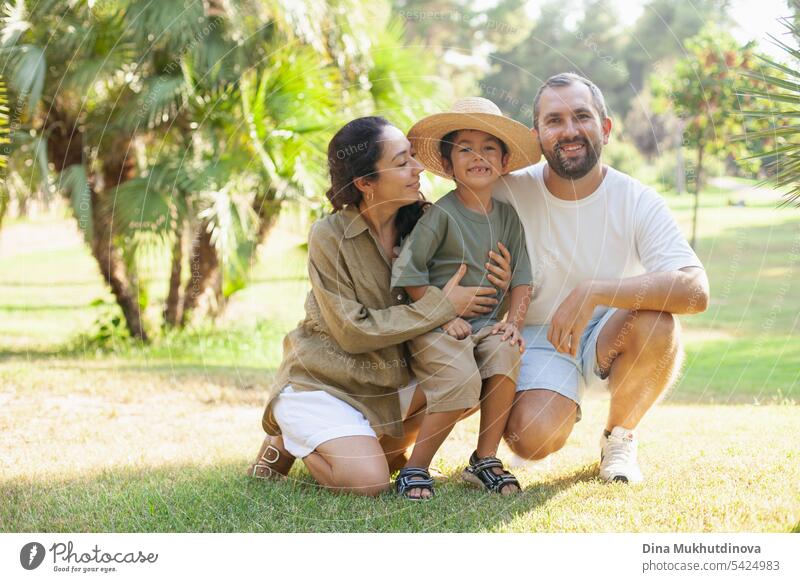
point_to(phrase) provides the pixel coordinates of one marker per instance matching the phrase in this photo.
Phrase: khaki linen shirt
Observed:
(350, 343)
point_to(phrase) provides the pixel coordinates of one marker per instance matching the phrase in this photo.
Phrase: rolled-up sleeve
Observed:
(355, 327)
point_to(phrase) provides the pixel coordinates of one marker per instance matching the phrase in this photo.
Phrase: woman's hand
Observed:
(500, 273)
(469, 301)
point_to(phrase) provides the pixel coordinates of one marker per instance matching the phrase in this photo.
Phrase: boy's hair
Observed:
(447, 142)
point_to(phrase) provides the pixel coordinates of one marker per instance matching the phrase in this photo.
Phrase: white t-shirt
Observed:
(621, 230)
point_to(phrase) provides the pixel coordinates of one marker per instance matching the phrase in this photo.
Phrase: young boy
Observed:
(473, 361)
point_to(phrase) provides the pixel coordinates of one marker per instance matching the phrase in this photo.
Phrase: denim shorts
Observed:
(543, 368)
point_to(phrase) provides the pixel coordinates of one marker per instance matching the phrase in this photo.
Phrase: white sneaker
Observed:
(618, 457)
(517, 462)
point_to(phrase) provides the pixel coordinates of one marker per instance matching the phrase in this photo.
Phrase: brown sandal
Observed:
(270, 463)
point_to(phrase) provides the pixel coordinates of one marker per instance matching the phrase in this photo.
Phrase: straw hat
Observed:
(472, 113)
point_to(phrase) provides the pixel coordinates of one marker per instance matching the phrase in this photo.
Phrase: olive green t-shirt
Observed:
(449, 234)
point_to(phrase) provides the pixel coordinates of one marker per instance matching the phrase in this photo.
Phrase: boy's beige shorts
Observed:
(451, 371)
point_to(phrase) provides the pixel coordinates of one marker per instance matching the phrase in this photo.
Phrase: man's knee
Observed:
(540, 423)
(655, 329)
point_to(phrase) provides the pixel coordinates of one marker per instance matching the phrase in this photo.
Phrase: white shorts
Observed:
(309, 418)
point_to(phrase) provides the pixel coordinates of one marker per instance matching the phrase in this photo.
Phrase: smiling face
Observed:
(477, 159)
(570, 130)
(396, 178)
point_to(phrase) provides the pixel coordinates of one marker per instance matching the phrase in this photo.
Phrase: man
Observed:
(611, 269)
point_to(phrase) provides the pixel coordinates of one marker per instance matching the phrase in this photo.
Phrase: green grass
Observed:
(155, 438)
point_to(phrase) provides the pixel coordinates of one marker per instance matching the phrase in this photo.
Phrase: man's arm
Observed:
(681, 292)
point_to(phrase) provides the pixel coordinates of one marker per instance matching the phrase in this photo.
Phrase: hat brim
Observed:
(425, 137)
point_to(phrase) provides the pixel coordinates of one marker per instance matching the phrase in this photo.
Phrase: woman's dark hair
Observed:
(407, 218)
(353, 153)
(447, 142)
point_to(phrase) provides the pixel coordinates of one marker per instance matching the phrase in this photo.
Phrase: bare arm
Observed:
(518, 306)
(681, 292)
(511, 328)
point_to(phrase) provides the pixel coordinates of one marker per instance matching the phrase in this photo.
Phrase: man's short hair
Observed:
(564, 80)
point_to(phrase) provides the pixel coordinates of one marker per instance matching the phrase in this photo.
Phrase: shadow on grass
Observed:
(223, 499)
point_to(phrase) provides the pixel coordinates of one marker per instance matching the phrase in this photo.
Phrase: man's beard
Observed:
(573, 169)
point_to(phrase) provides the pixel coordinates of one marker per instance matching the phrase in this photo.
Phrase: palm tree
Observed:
(3, 142)
(187, 125)
(63, 67)
(780, 106)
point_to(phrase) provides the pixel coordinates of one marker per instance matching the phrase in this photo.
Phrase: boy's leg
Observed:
(497, 399)
(446, 371)
(396, 448)
(499, 363)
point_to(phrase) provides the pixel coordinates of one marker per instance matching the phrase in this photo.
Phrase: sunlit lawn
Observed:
(157, 438)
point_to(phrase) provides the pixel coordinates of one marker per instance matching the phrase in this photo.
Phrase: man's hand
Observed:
(458, 328)
(511, 333)
(499, 268)
(570, 319)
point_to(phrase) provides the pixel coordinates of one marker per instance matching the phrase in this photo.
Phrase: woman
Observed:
(337, 389)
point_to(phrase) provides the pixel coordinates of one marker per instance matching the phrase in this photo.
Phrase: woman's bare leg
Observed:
(354, 464)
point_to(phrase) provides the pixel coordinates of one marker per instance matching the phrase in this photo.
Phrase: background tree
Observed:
(658, 34)
(703, 91)
(182, 128)
(586, 37)
(461, 35)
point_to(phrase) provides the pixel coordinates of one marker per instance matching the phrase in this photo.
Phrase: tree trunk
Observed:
(680, 170)
(174, 307)
(697, 185)
(268, 210)
(112, 267)
(118, 166)
(203, 294)
(200, 297)
(65, 149)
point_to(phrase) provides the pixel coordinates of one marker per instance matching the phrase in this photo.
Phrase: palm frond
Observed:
(780, 67)
(28, 65)
(400, 79)
(75, 182)
(158, 101)
(175, 26)
(4, 140)
(14, 22)
(288, 105)
(40, 155)
(782, 137)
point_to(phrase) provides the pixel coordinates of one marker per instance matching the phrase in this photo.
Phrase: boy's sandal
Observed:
(269, 464)
(479, 472)
(405, 481)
